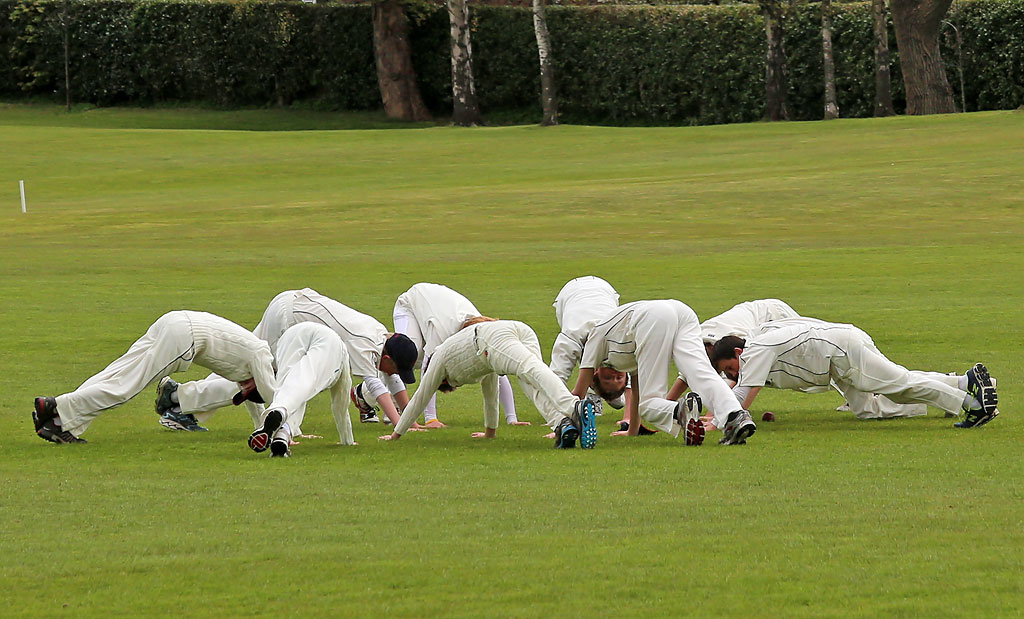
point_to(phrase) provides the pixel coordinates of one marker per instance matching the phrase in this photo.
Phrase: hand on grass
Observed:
(519, 423)
(389, 437)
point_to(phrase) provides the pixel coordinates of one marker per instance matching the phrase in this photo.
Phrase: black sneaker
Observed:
(44, 409)
(164, 403)
(176, 420)
(367, 413)
(260, 439)
(49, 431)
(566, 434)
(981, 386)
(738, 428)
(280, 446)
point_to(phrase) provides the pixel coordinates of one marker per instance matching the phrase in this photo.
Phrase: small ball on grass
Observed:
(768, 416)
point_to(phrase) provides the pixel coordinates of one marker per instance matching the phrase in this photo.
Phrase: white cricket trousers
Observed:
(204, 397)
(866, 369)
(406, 323)
(512, 348)
(168, 346)
(669, 331)
(310, 358)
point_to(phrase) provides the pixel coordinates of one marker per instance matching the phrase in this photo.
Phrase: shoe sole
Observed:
(984, 390)
(694, 432)
(742, 434)
(39, 414)
(982, 421)
(261, 438)
(568, 439)
(171, 424)
(160, 394)
(588, 426)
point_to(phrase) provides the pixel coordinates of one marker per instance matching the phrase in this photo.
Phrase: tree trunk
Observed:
(465, 108)
(775, 82)
(883, 79)
(395, 74)
(917, 24)
(831, 106)
(548, 97)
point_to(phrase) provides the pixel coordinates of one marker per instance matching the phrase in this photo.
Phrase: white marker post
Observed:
(22, 185)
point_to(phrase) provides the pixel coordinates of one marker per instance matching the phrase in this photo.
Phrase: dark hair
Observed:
(606, 395)
(725, 348)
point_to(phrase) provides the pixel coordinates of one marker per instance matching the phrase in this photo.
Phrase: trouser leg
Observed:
(867, 369)
(206, 395)
(691, 359)
(167, 347)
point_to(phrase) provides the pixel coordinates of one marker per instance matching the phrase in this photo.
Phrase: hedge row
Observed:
(615, 64)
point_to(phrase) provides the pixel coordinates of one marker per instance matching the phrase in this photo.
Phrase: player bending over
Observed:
(797, 353)
(486, 349)
(173, 343)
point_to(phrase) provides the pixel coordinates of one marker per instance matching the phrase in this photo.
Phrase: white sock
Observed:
(507, 399)
(961, 382)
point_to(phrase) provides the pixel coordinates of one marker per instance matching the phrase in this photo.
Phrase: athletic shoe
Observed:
(259, 440)
(738, 428)
(598, 403)
(280, 446)
(176, 420)
(844, 407)
(164, 404)
(643, 431)
(975, 418)
(49, 431)
(566, 434)
(583, 418)
(982, 388)
(367, 413)
(687, 414)
(44, 409)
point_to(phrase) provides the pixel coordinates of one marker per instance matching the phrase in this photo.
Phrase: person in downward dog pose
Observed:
(429, 314)
(485, 349)
(310, 358)
(172, 344)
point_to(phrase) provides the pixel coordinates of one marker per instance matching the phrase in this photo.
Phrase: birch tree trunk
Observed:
(883, 78)
(776, 102)
(917, 24)
(465, 108)
(548, 95)
(831, 106)
(396, 77)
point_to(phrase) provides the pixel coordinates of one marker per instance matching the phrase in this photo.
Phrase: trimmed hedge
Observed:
(614, 64)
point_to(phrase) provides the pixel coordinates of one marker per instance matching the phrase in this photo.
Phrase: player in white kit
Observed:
(373, 353)
(642, 338)
(173, 343)
(799, 353)
(310, 358)
(582, 303)
(429, 314)
(745, 319)
(486, 349)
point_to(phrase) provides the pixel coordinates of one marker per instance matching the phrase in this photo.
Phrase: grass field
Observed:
(911, 228)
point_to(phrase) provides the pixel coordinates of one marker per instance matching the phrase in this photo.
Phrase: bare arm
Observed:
(747, 401)
(583, 382)
(677, 390)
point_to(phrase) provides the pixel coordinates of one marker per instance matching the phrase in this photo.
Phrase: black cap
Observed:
(403, 352)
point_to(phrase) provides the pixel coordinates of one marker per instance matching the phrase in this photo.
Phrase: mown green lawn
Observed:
(911, 228)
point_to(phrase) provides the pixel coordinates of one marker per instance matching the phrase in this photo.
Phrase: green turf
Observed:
(911, 228)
